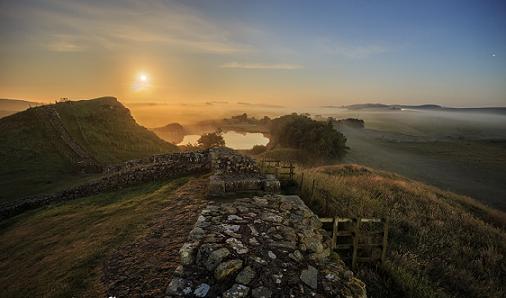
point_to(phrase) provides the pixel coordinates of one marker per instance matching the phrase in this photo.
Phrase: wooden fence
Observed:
(361, 240)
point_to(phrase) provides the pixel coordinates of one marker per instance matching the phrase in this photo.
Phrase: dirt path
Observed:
(144, 268)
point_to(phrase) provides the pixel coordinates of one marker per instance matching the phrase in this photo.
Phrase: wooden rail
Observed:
(355, 239)
(351, 240)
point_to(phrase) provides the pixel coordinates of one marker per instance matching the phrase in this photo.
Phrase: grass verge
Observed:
(58, 251)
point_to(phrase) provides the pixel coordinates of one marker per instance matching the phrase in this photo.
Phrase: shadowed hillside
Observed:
(46, 146)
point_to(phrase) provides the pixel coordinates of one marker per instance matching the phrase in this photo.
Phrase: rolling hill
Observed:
(52, 145)
(11, 106)
(426, 107)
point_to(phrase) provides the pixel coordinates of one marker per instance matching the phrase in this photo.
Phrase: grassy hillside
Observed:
(33, 159)
(441, 244)
(59, 251)
(106, 129)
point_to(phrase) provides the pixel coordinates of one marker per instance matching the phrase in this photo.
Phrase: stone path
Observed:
(270, 246)
(144, 268)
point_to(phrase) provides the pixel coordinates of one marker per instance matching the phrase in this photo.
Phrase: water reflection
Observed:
(233, 139)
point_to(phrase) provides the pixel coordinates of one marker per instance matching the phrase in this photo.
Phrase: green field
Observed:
(471, 167)
(58, 251)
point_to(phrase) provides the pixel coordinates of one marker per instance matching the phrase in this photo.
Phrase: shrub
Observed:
(212, 139)
(257, 149)
(314, 137)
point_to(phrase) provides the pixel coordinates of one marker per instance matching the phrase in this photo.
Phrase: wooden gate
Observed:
(359, 239)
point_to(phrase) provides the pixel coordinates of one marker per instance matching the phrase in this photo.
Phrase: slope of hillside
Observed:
(60, 251)
(11, 106)
(441, 244)
(44, 147)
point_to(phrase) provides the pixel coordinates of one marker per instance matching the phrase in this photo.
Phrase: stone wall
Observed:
(235, 175)
(126, 174)
(270, 246)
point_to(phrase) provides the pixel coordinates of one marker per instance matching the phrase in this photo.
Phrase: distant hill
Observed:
(172, 132)
(432, 107)
(49, 145)
(11, 106)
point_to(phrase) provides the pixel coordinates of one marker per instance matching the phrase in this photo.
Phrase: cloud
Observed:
(242, 103)
(64, 46)
(261, 66)
(76, 26)
(354, 51)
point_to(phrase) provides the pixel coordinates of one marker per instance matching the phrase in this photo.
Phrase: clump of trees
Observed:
(314, 137)
(349, 122)
(258, 149)
(212, 139)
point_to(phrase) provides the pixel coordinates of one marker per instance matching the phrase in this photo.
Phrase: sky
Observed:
(287, 53)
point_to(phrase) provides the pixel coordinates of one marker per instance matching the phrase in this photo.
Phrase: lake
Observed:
(233, 139)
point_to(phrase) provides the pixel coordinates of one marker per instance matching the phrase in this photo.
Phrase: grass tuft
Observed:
(441, 244)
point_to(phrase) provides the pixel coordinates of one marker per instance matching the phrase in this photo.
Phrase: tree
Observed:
(212, 139)
(315, 137)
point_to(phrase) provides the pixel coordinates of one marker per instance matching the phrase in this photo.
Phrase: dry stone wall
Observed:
(126, 174)
(235, 174)
(269, 246)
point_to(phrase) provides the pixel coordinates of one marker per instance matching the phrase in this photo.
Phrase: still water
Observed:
(233, 139)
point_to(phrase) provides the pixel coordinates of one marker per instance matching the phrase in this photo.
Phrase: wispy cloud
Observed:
(355, 51)
(261, 66)
(242, 103)
(75, 26)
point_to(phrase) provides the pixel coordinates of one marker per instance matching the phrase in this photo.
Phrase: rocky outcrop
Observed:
(270, 246)
(235, 175)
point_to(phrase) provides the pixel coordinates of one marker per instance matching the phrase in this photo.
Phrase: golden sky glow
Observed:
(327, 53)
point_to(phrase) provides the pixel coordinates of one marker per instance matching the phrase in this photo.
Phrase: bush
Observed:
(301, 132)
(212, 139)
(257, 149)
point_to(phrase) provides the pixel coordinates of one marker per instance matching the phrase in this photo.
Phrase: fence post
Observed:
(385, 240)
(335, 229)
(312, 190)
(355, 243)
(301, 182)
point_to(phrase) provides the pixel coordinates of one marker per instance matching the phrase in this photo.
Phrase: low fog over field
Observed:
(460, 151)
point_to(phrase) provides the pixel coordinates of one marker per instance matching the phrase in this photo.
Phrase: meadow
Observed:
(440, 244)
(59, 251)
